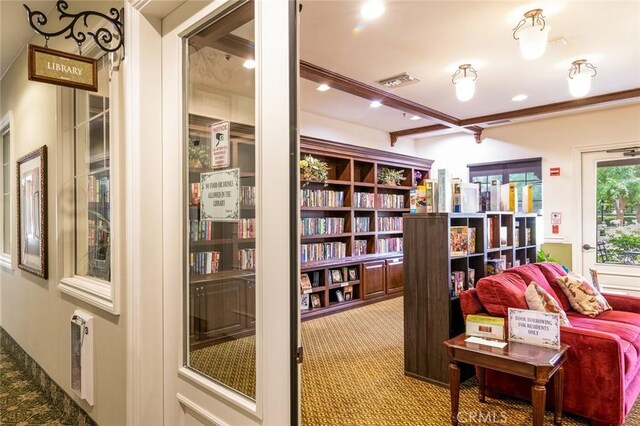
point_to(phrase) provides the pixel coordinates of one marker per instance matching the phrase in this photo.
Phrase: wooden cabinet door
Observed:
(373, 274)
(395, 275)
(223, 307)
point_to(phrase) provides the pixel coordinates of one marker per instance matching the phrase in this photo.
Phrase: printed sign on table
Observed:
(220, 195)
(534, 327)
(220, 144)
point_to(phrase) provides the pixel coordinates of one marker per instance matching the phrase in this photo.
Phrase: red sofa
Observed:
(602, 372)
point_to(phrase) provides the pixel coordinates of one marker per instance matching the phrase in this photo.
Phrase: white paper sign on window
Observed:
(534, 327)
(220, 195)
(220, 144)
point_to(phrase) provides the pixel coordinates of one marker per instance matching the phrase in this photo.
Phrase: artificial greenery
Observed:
(545, 257)
(390, 176)
(199, 155)
(313, 170)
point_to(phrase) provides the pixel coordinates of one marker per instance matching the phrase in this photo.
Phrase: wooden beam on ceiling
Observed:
(552, 108)
(425, 129)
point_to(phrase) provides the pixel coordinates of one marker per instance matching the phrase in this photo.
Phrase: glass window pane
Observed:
(6, 140)
(532, 176)
(92, 182)
(617, 212)
(482, 179)
(516, 176)
(221, 206)
(490, 178)
(6, 224)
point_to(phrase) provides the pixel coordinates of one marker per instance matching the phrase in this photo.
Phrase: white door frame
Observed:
(577, 188)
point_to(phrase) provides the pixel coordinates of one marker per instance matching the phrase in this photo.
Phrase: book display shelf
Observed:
(353, 223)
(221, 261)
(446, 253)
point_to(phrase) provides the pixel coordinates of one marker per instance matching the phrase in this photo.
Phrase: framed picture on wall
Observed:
(31, 181)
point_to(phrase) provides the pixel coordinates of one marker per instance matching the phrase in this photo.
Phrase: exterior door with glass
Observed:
(610, 219)
(226, 235)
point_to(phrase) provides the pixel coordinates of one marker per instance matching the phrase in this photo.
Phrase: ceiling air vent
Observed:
(398, 80)
(495, 123)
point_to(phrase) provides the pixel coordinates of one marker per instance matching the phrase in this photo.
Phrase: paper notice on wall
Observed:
(220, 144)
(220, 195)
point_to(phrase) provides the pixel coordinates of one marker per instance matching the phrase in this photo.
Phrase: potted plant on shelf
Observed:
(313, 170)
(199, 156)
(389, 176)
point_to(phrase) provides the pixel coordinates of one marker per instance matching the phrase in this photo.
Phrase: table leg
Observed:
(538, 394)
(480, 371)
(454, 387)
(558, 390)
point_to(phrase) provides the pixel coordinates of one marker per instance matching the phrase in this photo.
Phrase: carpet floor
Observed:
(353, 374)
(21, 401)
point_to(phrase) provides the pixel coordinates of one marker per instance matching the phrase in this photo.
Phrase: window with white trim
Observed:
(92, 180)
(5, 134)
(521, 172)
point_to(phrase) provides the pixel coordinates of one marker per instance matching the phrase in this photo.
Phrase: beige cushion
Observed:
(539, 299)
(584, 298)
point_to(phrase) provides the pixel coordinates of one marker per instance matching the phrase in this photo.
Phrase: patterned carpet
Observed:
(353, 375)
(21, 401)
(231, 363)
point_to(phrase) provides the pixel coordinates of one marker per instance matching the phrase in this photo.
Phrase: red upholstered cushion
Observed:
(470, 304)
(530, 273)
(551, 271)
(500, 292)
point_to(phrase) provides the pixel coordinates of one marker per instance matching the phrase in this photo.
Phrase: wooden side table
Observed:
(537, 363)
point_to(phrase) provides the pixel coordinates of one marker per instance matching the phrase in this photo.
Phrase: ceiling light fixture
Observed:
(465, 83)
(372, 9)
(415, 117)
(519, 98)
(580, 75)
(375, 104)
(533, 39)
(323, 87)
(249, 64)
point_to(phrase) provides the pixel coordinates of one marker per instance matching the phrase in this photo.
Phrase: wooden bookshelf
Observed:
(353, 170)
(432, 307)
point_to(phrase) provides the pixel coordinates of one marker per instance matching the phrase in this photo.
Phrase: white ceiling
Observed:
(431, 38)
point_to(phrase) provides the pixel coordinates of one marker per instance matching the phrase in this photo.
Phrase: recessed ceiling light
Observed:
(249, 64)
(519, 98)
(375, 104)
(415, 117)
(323, 88)
(372, 9)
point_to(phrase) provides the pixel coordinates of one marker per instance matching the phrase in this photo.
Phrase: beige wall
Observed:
(32, 310)
(331, 129)
(553, 139)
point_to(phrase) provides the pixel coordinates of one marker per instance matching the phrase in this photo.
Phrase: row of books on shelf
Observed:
(495, 266)
(359, 247)
(322, 251)
(248, 196)
(246, 228)
(314, 301)
(390, 201)
(364, 200)
(516, 237)
(462, 240)
(321, 198)
(98, 189)
(202, 230)
(343, 275)
(362, 224)
(389, 224)
(321, 225)
(498, 235)
(247, 259)
(389, 245)
(461, 281)
(446, 194)
(309, 280)
(203, 263)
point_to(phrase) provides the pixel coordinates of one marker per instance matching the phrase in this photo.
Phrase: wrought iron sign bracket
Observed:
(106, 38)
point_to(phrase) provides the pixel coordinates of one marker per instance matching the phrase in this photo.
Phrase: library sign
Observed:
(534, 328)
(62, 68)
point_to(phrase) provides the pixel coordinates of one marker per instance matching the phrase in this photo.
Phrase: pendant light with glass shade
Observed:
(580, 75)
(465, 81)
(532, 32)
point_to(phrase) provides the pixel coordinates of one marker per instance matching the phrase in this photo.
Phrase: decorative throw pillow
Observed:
(594, 279)
(539, 299)
(584, 298)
